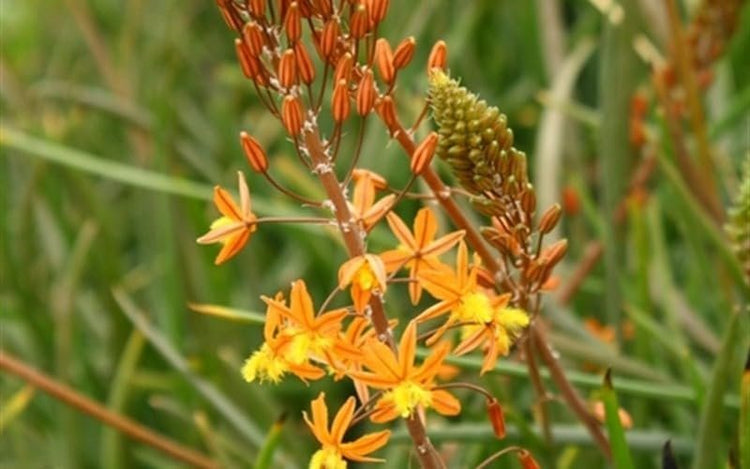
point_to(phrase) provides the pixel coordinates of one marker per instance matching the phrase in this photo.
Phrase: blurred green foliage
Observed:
(154, 86)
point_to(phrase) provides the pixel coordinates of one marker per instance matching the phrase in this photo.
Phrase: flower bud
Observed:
(252, 33)
(553, 254)
(528, 202)
(340, 102)
(293, 23)
(366, 93)
(329, 37)
(359, 22)
(254, 153)
(384, 60)
(305, 67)
(527, 460)
(404, 53)
(387, 111)
(378, 9)
(423, 153)
(287, 69)
(497, 418)
(245, 58)
(550, 218)
(343, 68)
(257, 8)
(438, 57)
(324, 7)
(291, 115)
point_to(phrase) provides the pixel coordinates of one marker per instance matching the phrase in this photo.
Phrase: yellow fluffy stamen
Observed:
(264, 364)
(327, 458)
(407, 396)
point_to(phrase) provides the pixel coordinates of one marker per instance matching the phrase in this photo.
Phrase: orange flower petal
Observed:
(425, 226)
(218, 234)
(445, 403)
(443, 244)
(407, 348)
(402, 233)
(232, 247)
(301, 306)
(342, 420)
(357, 449)
(225, 204)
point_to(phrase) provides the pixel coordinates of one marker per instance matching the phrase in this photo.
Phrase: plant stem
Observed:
(354, 238)
(88, 406)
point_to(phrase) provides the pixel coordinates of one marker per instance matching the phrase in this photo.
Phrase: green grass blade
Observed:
(620, 453)
(15, 405)
(709, 429)
(265, 457)
(744, 427)
(89, 163)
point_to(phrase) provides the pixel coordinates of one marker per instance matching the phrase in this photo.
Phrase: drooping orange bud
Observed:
(252, 33)
(340, 102)
(497, 418)
(305, 67)
(287, 69)
(404, 53)
(423, 153)
(291, 115)
(550, 218)
(293, 23)
(343, 68)
(527, 460)
(384, 60)
(245, 58)
(366, 93)
(329, 36)
(438, 56)
(254, 153)
(387, 111)
(378, 9)
(359, 23)
(257, 8)
(225, 14)
(528, 202)
(553, 254)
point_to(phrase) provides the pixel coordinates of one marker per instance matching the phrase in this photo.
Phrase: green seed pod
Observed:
(738, 223)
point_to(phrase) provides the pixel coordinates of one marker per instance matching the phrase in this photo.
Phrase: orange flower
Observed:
(310, 337)
(366, 274)
(407, 387)
(363, 206)
(270, 361)
(333, 452)
(236, 225)
(417, 251)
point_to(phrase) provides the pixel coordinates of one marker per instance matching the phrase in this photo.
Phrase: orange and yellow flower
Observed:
(234, 227)
(366, 274)
(407, 387)
(334, 452)
(419, 251)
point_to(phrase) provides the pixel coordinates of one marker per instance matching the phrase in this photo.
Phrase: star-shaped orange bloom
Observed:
(333, 451)
(236, 225)
(417, 251)
(407, 387)
(311, 337)
(366, 274)
(459, 293)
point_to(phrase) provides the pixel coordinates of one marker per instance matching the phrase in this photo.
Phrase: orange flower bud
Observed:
(252, 33)
(359, 23)
(257, 8)
(528, 201)
(553, 254)
(404, 53)
(550, 218)
(329, 37)
(343, 68)
(287, 69)
(254, 153)
(387, 112)
(291, 115)
(243, 54)
(527, 460)
(384, 60)
(438, 56)
(423, 153)
(366, 93)
(293, 23)
(571, 202)
(305, 67)
(340, 102)
(378, 9)
(225, 14)
(324, 7)
(497, 418)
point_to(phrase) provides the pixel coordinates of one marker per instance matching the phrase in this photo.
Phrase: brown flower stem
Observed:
(591, 256)
(88, 406)
(354, 241)
(475, 240)
(569, 393)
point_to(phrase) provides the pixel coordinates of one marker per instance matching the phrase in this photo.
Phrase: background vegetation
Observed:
(119, 117)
